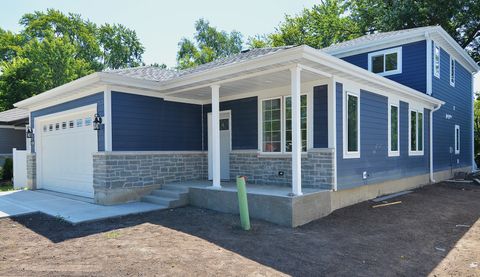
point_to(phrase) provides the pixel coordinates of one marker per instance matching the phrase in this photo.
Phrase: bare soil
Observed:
(434, 231)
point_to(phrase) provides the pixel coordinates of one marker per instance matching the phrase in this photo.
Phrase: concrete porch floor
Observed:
(71, 209)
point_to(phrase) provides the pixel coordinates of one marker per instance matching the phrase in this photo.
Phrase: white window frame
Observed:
(410, 151)
(397, 50)
(436, 72)
(452, 71)
(392, 153)
(283, 123)
(350, 154)
(457, 140)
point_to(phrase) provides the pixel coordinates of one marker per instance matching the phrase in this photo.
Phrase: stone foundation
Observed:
(120, 177)
(317, 168)
(31, 171)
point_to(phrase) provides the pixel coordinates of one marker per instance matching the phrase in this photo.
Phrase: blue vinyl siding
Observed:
(374, 144)
(458, 105)
(77, 103)
(320, 116)
(244, 122)
(11, 138)
(414, 69)
(142, 123)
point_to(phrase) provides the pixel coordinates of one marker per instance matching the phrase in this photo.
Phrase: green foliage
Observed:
(54, 48)
(210, 44)
(7, 169)
(476, 123)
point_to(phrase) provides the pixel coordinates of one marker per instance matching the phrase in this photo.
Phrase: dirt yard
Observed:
(435, 230)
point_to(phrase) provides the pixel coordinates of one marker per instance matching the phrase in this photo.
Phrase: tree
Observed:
(460, 18)
(210, 44)
(321, 26)
(53, 49)
(476, 123)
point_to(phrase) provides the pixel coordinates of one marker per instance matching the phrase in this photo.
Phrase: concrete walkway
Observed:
(13, 203)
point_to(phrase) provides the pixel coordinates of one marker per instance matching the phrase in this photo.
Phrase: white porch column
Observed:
(296, 133)
(216, 136)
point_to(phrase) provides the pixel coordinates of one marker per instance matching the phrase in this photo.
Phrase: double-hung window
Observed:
(351, 125)
(457, 139)
(386, 62)
(416, 132)
(452, 71)
(436, 61)
(277, 124)
(393, 130)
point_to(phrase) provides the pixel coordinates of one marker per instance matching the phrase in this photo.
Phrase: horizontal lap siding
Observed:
(374, 144)
(77, 103)
(11, 138)
(244, 122)
(414, 72)
(320, 116)
(142, 123)
(443, 132)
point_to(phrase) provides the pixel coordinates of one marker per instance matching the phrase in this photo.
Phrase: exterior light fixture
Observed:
(29, 133)
(97, 122)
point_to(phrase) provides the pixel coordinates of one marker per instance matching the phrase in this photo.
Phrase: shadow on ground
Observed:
(411, 238)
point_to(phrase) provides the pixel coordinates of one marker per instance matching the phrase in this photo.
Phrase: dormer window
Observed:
(386, 62)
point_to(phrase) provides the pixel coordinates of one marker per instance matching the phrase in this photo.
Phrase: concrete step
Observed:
(173, 187)
(165, 201)
(176, 194)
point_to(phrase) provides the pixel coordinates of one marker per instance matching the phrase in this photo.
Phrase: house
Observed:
(375, 115)
(12, 132)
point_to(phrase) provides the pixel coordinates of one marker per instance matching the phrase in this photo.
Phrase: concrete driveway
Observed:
(13, 203)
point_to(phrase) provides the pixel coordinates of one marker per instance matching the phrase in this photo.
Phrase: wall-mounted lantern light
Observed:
(29, 133)
(97, 122)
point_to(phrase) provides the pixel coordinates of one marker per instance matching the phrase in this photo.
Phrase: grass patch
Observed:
(112, 235)
(7, 186)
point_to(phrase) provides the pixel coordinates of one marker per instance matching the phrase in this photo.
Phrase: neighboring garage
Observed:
(65, 142)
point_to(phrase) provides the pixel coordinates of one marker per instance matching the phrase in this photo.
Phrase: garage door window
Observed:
(79, 123)
(88, 121)
(70, 124)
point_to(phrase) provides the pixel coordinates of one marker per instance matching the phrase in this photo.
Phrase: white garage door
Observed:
(64, 152)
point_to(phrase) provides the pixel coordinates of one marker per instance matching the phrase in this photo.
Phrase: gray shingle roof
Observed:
(158, 74)
(372, 37)
(13, 115)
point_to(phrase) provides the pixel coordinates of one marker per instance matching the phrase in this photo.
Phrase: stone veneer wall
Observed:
(317, 168)
(127, 176)
(31, 171)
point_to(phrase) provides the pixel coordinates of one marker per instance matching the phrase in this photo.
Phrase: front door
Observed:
(225, 145)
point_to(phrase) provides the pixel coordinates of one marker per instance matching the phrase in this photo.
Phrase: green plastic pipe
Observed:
(243, 203)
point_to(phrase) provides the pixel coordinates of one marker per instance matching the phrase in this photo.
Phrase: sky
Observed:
(161, 24)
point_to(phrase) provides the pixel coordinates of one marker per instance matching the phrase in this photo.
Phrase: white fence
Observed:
(19, 168)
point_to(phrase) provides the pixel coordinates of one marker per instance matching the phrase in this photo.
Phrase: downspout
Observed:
(432, 180)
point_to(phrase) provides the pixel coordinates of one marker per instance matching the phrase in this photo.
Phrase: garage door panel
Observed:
(67, 145)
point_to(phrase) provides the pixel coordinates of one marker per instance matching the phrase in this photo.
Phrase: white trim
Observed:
(472, 139)
(392, 153)
(81, 109)
(435, 73)
(452, 62)
(355, 92)
(429, 64)
(296, 130)
(12, 127)
(215, 136)
(107, 110)
(410, 151)
(384, 53)
(332, 126)
(457, 140)
(432, 179)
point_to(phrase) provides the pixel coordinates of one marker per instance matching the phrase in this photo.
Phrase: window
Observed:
(436, 61)
(457, 139)
(393, 131)
(416, 133)
(79, 123)
(44, 128)
(57, 126)
(50, 127)
(386, 62)
(272, 125)
(224, 124)
(70, 124)
(277, 124)
(288, 123)
(351, 125)
(88, 121)
(452, 72)
(64, 125)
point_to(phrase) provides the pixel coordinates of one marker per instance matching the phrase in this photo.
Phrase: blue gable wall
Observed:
(244, 122)
(320, 116)
(84, 101)
(374, 144)
(142, 123)
(458, 105)
(414, 69)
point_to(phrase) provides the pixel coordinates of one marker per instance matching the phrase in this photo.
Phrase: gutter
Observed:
(432, 180)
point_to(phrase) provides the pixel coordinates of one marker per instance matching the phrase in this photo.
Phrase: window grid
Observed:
(288, 122)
